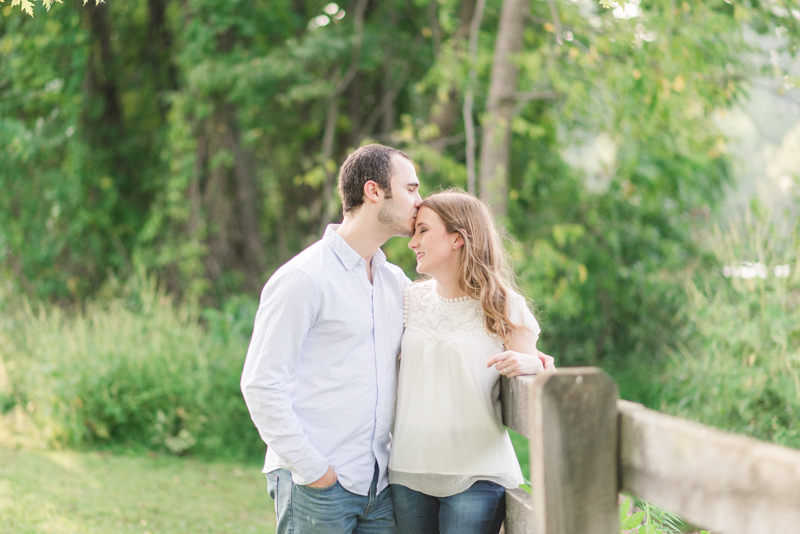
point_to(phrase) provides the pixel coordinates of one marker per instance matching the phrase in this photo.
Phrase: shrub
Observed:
(738, 366)
(135, 368)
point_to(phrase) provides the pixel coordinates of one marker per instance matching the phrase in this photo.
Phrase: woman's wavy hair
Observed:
(485, 272)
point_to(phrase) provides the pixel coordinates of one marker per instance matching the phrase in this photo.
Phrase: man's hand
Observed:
(512, 363)
(328, 479)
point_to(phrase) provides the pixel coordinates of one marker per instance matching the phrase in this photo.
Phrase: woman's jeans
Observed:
(480, 509)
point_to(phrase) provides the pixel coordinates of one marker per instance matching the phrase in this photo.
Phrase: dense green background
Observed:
(186, 142)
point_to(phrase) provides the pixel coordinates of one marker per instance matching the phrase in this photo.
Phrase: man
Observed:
(321, 371)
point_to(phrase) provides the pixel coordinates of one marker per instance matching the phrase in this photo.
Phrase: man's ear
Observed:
(372, 191)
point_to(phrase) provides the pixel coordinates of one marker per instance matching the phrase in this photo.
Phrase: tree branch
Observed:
(524, 98)
(469, 127)
(328, 202)
(556, 20)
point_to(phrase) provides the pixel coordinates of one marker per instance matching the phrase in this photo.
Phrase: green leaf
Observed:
(27, 7)
(623, 509)
(48, 3)
(634, 520)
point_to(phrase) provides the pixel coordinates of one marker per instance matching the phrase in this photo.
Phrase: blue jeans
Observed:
(331, 510)
(480, 509)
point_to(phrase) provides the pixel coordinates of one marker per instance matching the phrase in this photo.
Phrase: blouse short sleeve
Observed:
(521, 315)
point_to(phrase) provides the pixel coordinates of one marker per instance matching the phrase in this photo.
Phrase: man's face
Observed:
(399, 212)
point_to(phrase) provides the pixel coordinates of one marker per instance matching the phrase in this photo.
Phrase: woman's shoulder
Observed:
(413, 293)
(520, 311)
(420, 286)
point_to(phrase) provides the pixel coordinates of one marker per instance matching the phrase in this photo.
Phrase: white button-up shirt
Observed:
(320, 377)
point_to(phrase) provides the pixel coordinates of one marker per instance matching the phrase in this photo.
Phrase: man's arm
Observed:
(287, 311)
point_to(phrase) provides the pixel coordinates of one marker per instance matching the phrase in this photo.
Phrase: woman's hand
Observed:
(512, 363)
(522, 356)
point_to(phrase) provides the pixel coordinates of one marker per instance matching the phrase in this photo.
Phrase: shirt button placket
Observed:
(378, 333)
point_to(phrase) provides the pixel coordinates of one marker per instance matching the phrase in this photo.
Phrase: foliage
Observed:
(27, 5)
(191, 137)
(737, 366)
(134, 368)
(650, 519)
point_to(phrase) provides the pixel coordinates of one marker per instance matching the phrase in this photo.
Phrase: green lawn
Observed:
(70, 492)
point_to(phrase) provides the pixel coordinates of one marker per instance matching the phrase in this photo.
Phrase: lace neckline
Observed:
(442, 299)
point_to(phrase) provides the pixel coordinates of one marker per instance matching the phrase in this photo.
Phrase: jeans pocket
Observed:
(272, 487)
(317, 491)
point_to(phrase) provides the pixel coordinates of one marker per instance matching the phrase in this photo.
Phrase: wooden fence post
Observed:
(573, 452)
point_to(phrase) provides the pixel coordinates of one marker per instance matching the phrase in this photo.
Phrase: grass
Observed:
(57, 492)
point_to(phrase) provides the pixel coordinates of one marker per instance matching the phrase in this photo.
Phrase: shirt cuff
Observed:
(309, 469)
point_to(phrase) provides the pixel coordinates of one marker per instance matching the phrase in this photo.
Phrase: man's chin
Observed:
(406, 232)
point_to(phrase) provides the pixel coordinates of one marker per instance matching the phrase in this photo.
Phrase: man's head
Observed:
(383, 179)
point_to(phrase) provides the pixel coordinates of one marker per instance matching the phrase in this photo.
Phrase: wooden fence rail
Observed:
(586, 446)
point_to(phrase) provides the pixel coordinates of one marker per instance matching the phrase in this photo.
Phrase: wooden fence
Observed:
(586, 446)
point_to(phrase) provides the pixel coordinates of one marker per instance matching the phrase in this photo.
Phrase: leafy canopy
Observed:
(27, 5)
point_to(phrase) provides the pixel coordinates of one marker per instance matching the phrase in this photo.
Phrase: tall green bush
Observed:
(738, 364)
(134, 369)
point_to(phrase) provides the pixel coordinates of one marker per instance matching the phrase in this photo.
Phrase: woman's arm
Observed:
(522, 357)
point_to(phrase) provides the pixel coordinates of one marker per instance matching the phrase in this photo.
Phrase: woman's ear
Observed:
(458, 242)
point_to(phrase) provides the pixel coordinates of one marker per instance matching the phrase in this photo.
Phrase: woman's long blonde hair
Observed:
(485, 273)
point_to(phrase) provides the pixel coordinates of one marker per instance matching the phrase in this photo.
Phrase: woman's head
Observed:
(456, 233)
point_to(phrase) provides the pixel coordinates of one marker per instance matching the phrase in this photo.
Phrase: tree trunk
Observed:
(355, 97)
(342, 83)
(388, 83)
(159, 47)
(495, 149)
(446, 114)
(469, 126)
(224, 199)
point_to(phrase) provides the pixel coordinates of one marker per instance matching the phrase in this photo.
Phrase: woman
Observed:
(451, 457)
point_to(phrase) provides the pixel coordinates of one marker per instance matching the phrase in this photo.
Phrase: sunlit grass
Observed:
(70, 492)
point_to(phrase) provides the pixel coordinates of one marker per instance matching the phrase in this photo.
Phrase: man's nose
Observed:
(418, 201)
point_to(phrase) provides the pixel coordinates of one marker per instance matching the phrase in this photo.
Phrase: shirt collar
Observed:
(345, 252)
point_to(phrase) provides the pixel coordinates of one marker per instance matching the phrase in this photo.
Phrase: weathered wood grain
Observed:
(519, 512)
(729, 483)
(516, 398)
(574, 453)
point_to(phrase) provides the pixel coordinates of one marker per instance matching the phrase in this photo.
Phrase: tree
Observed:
(495, 149)
(200, 139)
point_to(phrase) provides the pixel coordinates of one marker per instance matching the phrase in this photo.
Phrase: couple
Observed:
(321, 374)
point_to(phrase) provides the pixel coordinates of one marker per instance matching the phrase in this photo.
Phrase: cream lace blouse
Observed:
(448, 430)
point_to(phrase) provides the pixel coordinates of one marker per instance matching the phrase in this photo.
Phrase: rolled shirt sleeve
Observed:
(288, 308)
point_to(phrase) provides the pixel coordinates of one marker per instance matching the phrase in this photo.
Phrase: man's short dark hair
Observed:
(370, 162)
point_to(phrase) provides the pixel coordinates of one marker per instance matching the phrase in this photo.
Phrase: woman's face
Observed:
(438, 252)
